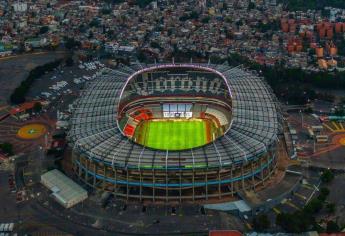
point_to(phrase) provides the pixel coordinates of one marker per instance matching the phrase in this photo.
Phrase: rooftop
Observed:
(64, 189)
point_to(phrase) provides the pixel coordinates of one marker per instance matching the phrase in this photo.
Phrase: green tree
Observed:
(339, 112)
(206, 19)
(82, 28)
(37, 107)
(194, 15)
(296, 222)
(141, 56)
(94, 23)
(44, 29)
(7, 148)
(324, 191)
(330, 207)
(298, 5)
(314, 206)
(327, 176)
(191, 16)
(261, 223)
(332, 227)
(251, 6)
(18, 95)
(308, 110)
(154, 44)
(143, 3)
(293, 85)
(71, 43)
(69, 61)
(105, 11)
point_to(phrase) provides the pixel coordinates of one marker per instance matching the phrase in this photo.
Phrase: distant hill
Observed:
(140, 3)
(302, 5)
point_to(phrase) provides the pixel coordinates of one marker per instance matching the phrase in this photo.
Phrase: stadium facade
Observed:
(241, 153)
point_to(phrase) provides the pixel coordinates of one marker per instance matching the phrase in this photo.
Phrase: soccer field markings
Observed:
(174, 135)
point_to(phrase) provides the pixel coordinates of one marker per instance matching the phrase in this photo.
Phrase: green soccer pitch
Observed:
(173, 134)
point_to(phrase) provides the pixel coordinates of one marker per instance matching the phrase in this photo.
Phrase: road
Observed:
(8, 206)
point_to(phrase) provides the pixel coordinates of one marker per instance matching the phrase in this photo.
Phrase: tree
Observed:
(293, 85)
(37, 107)
(264, 27)
(106, 11)
(7, 148)
(327, 176)
(141, 56)
(332, 227)
(154, 44)
(298, 5)
(192, 16)
(251, 6)
(110, 33)
(324, 191)
(339, 112)
(90, 36)
(94, 23)
(308, 110)
(206, 19)
(261, 223)
(69, 61)
(82, 28)
(314, 206)
(44, 29)
(143, 3)
(71, 43)
(18, 96)
(330, 207)
(296, 222)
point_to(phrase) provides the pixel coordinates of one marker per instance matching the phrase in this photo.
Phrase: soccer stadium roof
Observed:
(95, 132)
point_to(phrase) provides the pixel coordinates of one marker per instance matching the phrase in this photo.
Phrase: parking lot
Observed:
(298, 198)
(326, 154)
(64, 83)
(8, 207)
(13, 70)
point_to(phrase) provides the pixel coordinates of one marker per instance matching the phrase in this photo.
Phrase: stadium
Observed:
(175, 132)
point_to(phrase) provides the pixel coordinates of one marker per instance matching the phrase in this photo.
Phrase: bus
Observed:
(311, 133)
(321, 138)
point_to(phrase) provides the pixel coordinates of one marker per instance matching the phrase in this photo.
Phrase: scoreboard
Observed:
(177, 110)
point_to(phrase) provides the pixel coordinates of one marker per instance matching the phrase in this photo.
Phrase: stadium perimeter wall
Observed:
(179, 184)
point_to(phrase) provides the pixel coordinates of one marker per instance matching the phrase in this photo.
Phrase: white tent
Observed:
(65, 191)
